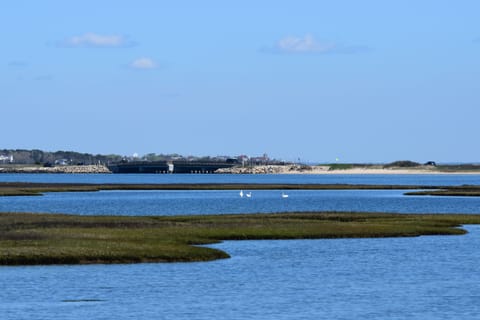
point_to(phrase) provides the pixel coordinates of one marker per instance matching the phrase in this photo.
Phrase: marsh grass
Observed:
(29, 239)
(463, 191)
(37, 189)
(29, 189)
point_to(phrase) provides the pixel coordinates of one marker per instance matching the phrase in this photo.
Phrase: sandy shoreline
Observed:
(296, 169)
(390, 171)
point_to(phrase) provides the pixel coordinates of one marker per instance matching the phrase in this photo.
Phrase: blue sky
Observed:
(364, 81)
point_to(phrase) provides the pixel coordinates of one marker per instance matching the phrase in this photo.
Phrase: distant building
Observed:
(62, 162)
(6, 159)
(243, 159)
(260, 160)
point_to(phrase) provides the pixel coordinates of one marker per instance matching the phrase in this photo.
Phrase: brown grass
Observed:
(68, 239)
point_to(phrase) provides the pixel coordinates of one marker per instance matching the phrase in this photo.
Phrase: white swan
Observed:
(249, 195)
(284, 195)
(241, 193)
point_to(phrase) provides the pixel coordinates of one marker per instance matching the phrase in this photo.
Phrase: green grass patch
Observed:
(340, 166)
(29, 239)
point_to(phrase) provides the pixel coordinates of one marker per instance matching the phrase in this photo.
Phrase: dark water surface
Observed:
(435, 277)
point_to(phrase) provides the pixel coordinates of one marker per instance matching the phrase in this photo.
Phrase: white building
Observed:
(5, 159)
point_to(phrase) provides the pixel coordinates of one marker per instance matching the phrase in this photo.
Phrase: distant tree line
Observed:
(47, 158)
(35, 156)
(403, 164)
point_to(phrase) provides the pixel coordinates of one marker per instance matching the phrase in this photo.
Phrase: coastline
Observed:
(59, 169)
(302, 169)
(261, 169)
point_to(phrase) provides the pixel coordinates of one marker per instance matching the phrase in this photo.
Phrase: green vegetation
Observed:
(39, 157)
(340, 166)
(29, 239)
(403, 164)
(464, 191)
(36, 189)
(458, 168)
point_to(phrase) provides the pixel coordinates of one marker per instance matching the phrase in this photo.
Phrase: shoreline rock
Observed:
(58, 169)
(273, 169)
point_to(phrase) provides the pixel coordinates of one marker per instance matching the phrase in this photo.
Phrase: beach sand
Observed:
(302, 169)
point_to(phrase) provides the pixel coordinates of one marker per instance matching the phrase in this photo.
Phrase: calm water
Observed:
(220, 201)
(217, 202)
(403, 278)
(440, 179)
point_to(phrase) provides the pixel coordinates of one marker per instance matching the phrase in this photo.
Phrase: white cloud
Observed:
(303, 44)
(309, 45)
(93, 40)
(143, 63)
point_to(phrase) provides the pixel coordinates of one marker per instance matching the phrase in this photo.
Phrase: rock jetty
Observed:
(276, 169)
(57, 169)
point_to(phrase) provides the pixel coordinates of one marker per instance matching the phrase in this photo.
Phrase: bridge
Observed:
(176, 166)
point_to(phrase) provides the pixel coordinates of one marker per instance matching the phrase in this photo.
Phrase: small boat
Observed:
(249, 195)
(284, 195)
(241, 193)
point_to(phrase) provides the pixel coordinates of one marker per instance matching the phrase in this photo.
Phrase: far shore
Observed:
(389, 171)
(54, 169)
(303, 169)
(266, 169)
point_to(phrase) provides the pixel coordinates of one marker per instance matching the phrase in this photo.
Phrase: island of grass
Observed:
(29, 189)
(32, 239)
